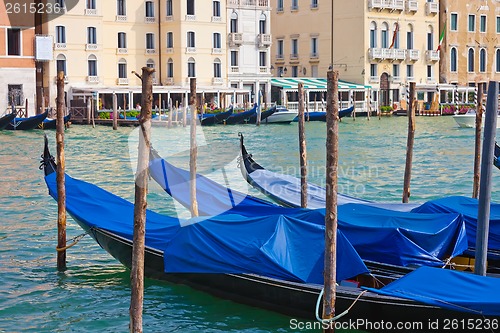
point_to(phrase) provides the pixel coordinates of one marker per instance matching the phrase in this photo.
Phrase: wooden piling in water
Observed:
(140, 203)
(115, 112)
(332, 143)
(409, 143)
(170, 114)
(60, 178)
(302, 149)
(193, 152)
(477, 149)
(184, 113)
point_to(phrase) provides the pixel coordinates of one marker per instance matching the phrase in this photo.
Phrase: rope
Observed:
(338, 316)
(75, 240)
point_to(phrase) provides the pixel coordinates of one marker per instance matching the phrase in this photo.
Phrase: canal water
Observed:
(93, 295)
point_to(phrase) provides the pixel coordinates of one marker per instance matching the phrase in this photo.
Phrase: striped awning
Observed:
(318, 84)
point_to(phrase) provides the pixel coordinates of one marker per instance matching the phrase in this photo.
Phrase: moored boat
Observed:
(6, 119)
(321, 115)
(263, 116)
(51, 123)
(468, 120)
(241, 117)
(281, 116)
(27, 123)
(207, 119)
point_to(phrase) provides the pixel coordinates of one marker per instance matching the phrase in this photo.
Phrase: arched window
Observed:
(373, 34)
(482, 60)
(122, 68)
(409, 37)
(470, 60)
(191, 67)
(92, 65)
(262, 24)
(61, 63)
(170, 68)
(234, 22)
(498, 61)
(384, 36)
(217, 68)
(430, 38)
(453, 59)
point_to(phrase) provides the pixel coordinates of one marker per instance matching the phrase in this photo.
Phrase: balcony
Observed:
(190, 17)
(248, 3)
(374, 79)
(169, 18)
(217, 80)
(91, 12)
(264, 40)
(121, 18)
(314, 55)
(280, 58)
(121, 50)
(66, 79)
(412, 55)
(391, 5)
(234, 69)
(431, 8)
(294, 8)
(169, 50)
(263, 70)
(149, 19)
(190, 49)
(169, 81)
(432, 55)
(91, 47)
(412, 6)
(235, 38)
(59, 46)
(92, 79)
(294, 56)
(122, 81)
(386, 54)
(216, 19)
(216, 50)
(150, 51)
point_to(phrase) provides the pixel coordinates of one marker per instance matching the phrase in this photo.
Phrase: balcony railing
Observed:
(235, 69)
(314, 55)
(374, 79)
(411, 6)
(432, 55)
(280, 57)
(121, 50)
(91, 47)
(248, 3)
(149, 19)
(169, 50)
(263, 69)
(169, 18)
(150, 51)
(265, 40)
(59, 46)
(169, 81)
(92, 79)
(190, 49)
(66, 79)
(217, 80)
(91, 12)
(122, 81)
(294, 56)
(431, 8)
(235, 38)
(413, 55)
(216, 50)
(216, 19)
(121, 18)
(383, 54)
(391, 5)
(190, 17)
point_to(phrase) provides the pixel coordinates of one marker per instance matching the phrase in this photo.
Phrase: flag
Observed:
(394, 35)
(441, 37)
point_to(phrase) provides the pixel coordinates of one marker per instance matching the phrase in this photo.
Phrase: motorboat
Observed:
(468, 120)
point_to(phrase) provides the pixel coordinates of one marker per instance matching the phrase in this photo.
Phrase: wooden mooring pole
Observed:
(61, 189)
(140, 203)
(409, 144)
(477, 150)
(115, 112)
(302, 149)
(193, 152)
(332, 144)
(483, 215)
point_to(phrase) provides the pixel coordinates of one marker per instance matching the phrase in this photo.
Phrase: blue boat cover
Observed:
(459, 291)
(377, 234)
(468, 207)
(276, 246)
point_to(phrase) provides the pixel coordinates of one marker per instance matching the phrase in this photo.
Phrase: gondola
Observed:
(27, 123)
(208, 119)
(241, 117)
(6, 119)
(109, 220)
(263, 116)
(51, 123)
(321, 115)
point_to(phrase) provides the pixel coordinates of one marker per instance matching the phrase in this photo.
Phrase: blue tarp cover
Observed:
(276, 246)
(448, 289)
(468, 207)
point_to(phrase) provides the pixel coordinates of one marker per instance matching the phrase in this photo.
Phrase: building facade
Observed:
(17, 63)
(384, 44)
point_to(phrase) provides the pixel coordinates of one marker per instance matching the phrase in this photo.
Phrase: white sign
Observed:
(43, 48)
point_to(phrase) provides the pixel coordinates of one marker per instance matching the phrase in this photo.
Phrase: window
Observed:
(470, 60)
(234, 58)
(280, 48)
(409, 71)
(122, 69)
(60, 3)
(472, 23)
(92, 65)
(191, 39)
(170, 9)
(262, 24)
(234, 22)
(384, 36)
(190, 7)
(216, 8)
(373, 34)
(395, 71)
(314, 70)
(90, 4)
(122, 40)
(409, 37)
(191, 67)
(430, 39)
(61, 63)
(314, 3)
(14, 42)
(453, 59)
(170, 68)
(217, 40)
(295, 48)
(482, 60)
(314, 47)
(150, 41)
(295, 71)
(430, 74)
(91, 35)
(279, 5)
(170, 40)
(497, 69)
(498, 24)
(150, 9)
(295, 4)
(150, 63)
(454, 22)
(217, 68)
(121, 8)
(262, 59)
(373, 70)
(482, 23)
(16, 95)
(60, 34)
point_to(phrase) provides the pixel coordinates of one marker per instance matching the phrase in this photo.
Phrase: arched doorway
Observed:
(384, 90)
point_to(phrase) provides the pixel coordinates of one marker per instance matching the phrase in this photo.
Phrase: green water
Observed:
(93, 294)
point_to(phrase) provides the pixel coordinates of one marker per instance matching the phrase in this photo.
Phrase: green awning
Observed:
(317, 84)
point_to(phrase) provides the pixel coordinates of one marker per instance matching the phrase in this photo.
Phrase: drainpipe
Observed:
(159, 44)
